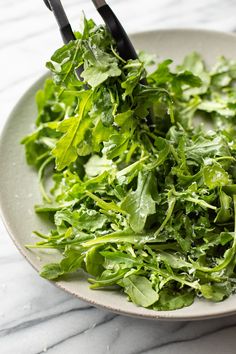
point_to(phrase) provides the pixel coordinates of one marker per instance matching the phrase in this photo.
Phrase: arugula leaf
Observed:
(224, 214)
(64, 62)
(172, 300)
(51, 271)
(116, 145)
(65, 149)
(140, 203)
(94, 261)
(97, 165)
(139, 290)
(99, 66)
(135, 73)
(214, 175)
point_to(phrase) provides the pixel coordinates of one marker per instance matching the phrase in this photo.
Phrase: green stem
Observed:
(168, 215)
(41, 181)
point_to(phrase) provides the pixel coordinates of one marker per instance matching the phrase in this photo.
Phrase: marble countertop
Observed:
(35, 316)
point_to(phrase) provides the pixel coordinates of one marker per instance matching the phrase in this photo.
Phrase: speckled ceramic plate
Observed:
(19, 188)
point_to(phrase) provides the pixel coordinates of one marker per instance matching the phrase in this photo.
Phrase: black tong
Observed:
(124, 45)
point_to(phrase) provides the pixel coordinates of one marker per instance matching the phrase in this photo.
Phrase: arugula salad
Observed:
(149, 210)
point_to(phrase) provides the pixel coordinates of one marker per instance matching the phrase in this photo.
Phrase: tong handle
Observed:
(123, 43)
(65, 28)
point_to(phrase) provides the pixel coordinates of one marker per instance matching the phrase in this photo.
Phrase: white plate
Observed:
(19, 188)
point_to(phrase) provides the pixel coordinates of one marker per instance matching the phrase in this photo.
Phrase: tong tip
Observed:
(99, 3)
(46, 2)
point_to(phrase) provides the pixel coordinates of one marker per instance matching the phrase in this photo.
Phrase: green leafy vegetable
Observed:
(99, 67)
(149, 212)
(139, 203)
(65, 149)
(139, 290)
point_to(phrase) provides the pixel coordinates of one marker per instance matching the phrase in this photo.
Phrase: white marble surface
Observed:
(36, 317)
